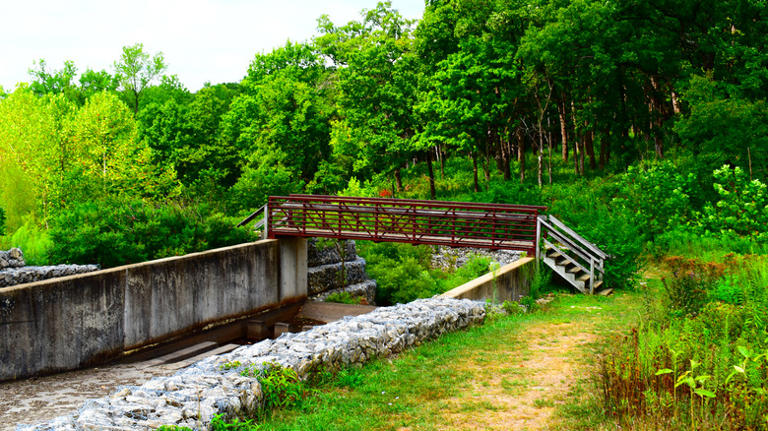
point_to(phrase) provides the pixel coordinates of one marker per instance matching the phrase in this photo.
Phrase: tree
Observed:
(55, 81)
(92, 82)
(136, 70)
(29, 156)
(377, 82)
(113, 158)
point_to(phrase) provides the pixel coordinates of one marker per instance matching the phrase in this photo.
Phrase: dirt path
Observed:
(522, 385)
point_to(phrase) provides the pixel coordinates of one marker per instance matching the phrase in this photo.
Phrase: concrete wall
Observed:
(511, 282)
(74, 321)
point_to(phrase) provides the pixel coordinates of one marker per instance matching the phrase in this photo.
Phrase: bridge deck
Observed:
(455, 224)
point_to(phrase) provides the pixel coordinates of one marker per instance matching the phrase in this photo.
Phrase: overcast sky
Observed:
(202, 40)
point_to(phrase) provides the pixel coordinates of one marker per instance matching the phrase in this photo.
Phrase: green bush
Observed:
(657, 194)
(742, 208)
(112, 233)
(590, 210)
(33, 240)
(403, 272)
(280, 386)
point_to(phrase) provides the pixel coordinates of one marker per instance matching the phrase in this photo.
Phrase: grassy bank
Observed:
(513, 368)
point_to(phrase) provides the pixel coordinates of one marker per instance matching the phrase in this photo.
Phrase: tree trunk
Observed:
(398, 180)
(604, 149)
(576, 154)
(577, 147)
(590, 149)
(504, 148)
(487, 164)
(442, 164)
(563, 128)
(549, 144)
(657, 114)
(540, 152)
(432, 193)
(474, 172)
(520, 153)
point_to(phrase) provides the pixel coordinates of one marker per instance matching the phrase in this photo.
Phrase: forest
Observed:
(641, 123)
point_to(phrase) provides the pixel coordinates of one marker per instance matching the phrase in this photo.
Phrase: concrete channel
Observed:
(38, 399)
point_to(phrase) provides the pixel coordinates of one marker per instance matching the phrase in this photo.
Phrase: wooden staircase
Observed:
(576, 260)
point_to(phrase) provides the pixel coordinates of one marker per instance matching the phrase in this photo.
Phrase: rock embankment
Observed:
(12, 258)
(335, 267)
(194, 395)
(448, 259)
(13, 269)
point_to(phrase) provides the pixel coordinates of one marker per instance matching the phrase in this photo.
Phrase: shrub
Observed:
(657, 194)
(589, 210)
(742, 208)
(112, 233)
(280, 386)
(400, 270)
(34, 241)
(691, 283)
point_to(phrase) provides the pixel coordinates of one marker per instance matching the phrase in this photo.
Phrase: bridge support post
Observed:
(293, 268)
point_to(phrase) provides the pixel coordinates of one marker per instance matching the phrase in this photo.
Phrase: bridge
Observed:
(454, 224)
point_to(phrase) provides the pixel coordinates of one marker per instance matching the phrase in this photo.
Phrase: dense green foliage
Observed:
(112, 233)
(404, 272)
(560, 95)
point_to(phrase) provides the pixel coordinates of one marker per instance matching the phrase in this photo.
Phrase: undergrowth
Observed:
(700, 360)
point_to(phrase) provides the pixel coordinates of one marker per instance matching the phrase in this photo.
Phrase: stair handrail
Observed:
(575, 244)
(578, 237)
(574, 247)
(263, 223)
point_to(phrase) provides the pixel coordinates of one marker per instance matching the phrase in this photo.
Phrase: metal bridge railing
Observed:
(455, 224)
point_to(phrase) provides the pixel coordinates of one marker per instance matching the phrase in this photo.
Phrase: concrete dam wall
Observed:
(75, 321)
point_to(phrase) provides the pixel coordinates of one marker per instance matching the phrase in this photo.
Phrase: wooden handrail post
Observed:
(538, 238)
(267, 220)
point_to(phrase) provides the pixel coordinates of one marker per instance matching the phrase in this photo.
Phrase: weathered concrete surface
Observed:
(71, 322)
(508, 283)
(293, 268)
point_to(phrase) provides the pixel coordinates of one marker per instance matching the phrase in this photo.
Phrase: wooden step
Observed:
(554, 254)
(605, 292)
(599, 283)
(584, 278)
(574, 269)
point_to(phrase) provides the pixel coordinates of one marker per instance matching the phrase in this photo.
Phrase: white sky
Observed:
(202, 40)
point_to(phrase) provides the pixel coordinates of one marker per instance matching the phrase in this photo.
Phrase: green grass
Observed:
(416, 388)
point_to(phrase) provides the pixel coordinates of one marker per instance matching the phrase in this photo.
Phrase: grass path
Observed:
(517, 372)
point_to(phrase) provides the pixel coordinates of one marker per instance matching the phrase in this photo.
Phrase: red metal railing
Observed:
(455, 224)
